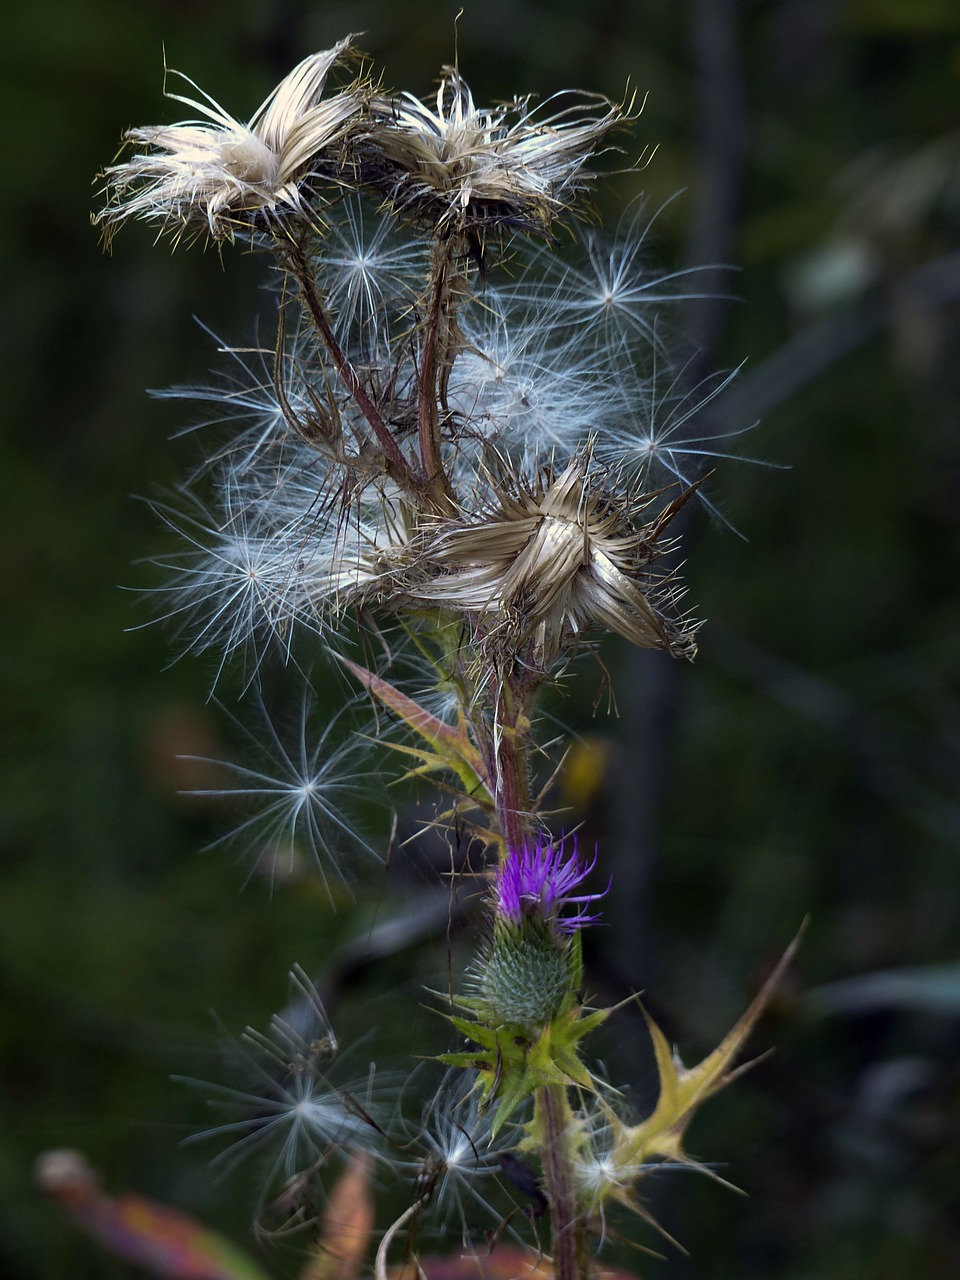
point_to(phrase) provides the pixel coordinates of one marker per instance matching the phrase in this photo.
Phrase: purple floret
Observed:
(540, 880)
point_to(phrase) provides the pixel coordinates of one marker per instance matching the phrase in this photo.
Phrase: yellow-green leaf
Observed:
(683, 1089)
(448, 747)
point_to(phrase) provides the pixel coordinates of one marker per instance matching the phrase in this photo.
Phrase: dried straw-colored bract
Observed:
(456, 168)
(556, 559)
(215, 175)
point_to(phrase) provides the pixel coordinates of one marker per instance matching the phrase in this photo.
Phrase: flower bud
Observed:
(533, 961)
(528, 972)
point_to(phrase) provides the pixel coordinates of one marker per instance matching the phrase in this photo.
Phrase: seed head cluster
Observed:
(456, 167)
(457, 457)
(439, 434)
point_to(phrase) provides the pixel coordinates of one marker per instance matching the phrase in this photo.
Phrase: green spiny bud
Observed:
(528, 971)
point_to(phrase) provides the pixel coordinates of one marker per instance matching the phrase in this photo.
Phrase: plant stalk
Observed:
(509, 771)
(554, 1122)
(435, 365)
(397, 465)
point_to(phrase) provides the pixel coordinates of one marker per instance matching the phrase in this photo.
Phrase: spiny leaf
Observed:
(511, 1066)
(682, 1089)
(449, 746)
(488, 1037)
(514, 1089)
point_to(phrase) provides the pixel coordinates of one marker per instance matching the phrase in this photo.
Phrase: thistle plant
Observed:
(459, 446)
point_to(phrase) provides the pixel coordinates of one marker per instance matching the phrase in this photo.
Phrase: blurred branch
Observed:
(816, 349)
(723, 131)
(917, 989)
(879, 748)
(653, 683)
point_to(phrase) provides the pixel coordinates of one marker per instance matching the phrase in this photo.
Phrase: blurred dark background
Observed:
(807, 765)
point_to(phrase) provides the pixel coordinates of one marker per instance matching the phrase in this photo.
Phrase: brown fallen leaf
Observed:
(346, 1226)
(507, 1263)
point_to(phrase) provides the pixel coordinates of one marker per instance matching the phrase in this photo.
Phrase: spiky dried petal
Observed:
(555, 559)
(212, 176)
(457, 168)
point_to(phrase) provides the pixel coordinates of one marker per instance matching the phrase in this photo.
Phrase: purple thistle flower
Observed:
(539, 880)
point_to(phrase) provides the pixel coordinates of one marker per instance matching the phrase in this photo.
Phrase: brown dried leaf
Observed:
(347, 1225)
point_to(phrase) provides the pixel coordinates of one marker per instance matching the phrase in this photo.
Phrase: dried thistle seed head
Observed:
(214, 175)
(455, 168)
(556, 558)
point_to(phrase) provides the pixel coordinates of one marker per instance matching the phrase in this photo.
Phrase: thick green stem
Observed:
(554, 1123)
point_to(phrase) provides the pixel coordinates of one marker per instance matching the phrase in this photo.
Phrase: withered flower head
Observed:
(457, 168)
(557, 558)
(211, 176)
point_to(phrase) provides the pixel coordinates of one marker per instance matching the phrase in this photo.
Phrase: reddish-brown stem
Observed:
(397, 465)
(510, 771)
(512, 795)
(554, 1122)
(428, 415)
(433, 357)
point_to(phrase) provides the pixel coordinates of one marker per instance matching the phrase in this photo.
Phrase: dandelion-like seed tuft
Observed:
(293, 1109)
(299, 800)
(453, 1156)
